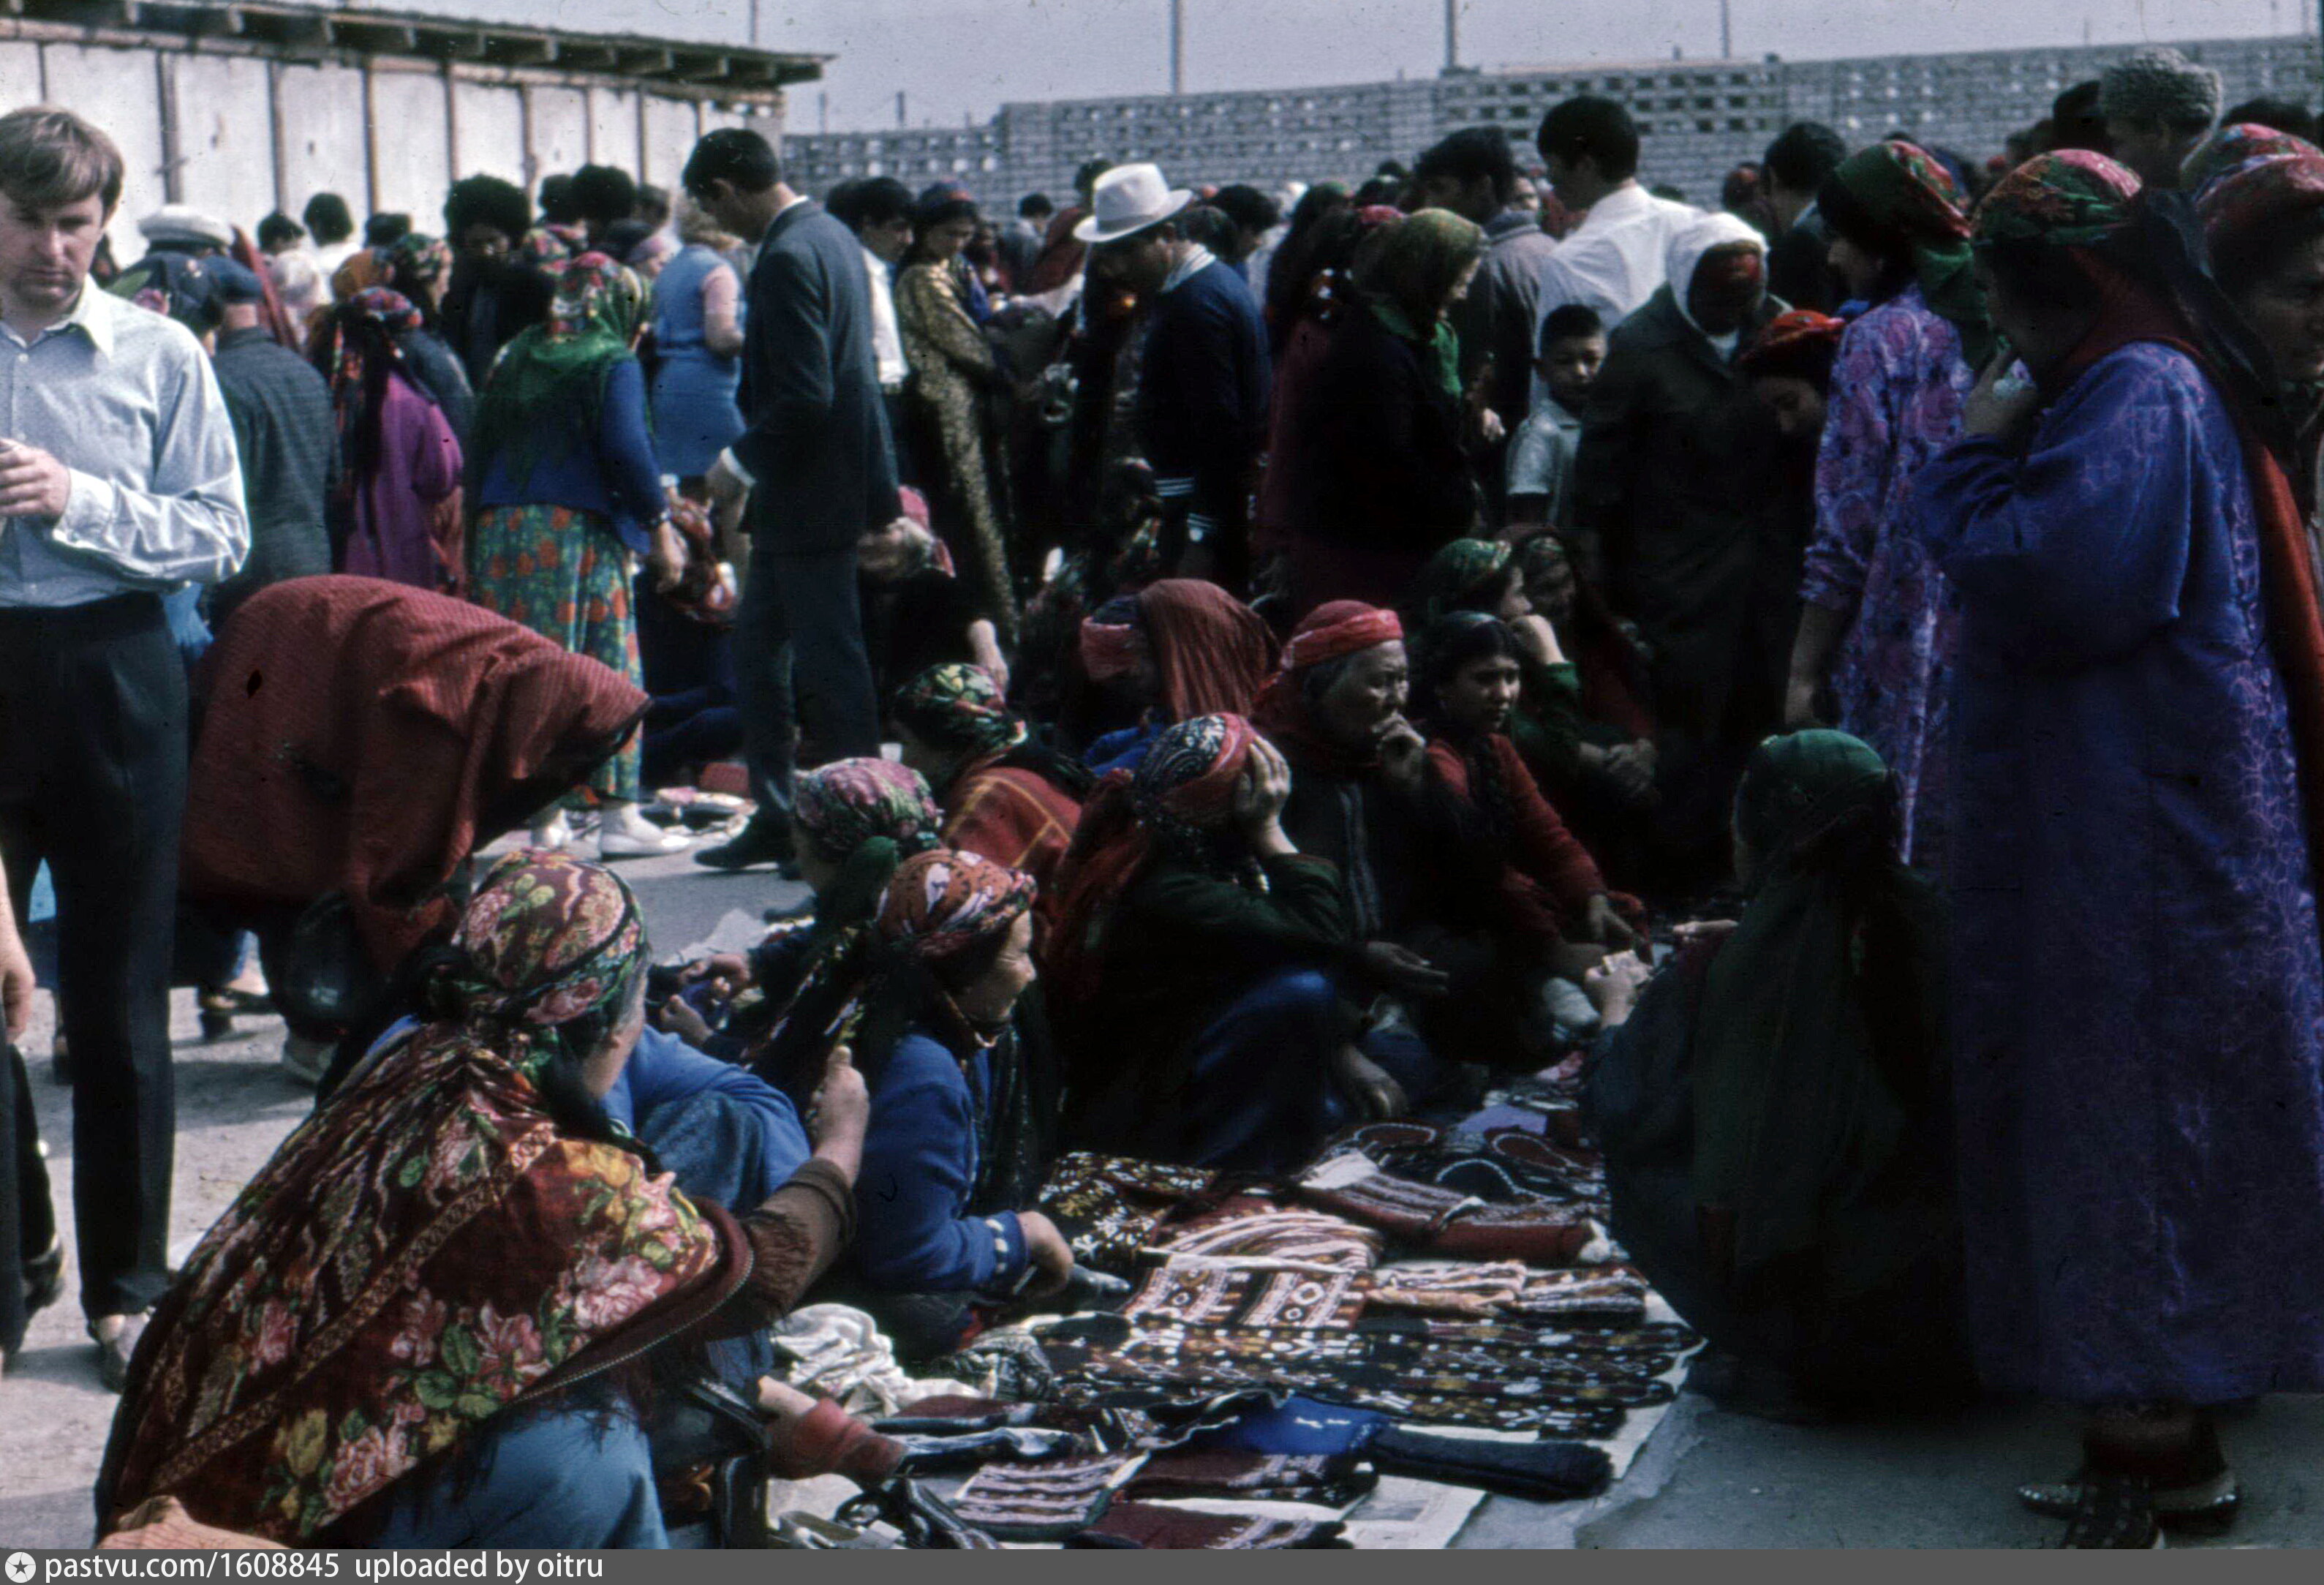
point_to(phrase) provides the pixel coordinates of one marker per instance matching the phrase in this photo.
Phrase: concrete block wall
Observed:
(1700, 119)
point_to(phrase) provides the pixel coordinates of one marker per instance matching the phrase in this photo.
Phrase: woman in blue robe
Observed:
(2139, 992)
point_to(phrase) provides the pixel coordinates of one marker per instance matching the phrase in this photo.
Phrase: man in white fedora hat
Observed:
(1202, 399)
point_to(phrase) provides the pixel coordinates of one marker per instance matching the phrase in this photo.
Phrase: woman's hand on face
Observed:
(1404, 755)
(1045, 1247)
(2002, 403)
(1264, 789)
(1539, 638)
(1614, 985)
(1370, 1086)
(840, 1112)
(1402, 970)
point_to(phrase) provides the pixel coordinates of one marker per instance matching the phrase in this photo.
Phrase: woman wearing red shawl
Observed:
(2264, 218)
(1198, 962)
(425, 1322)
(2137, 980)
(1181, 648)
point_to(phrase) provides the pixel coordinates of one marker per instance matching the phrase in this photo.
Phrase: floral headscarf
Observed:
(544, 396)
(2259, 196)
(2071, 199)
(415, 260)
(942, 902)
(550, 248)
(1186, 783)
(844, 804)
(550, 940)
(1798, 342)
(1897, 196)
(1458, 573)
(956, 705)
(2231, 146)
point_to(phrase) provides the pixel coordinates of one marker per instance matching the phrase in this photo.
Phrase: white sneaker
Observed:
(638, 838)
(552, 834)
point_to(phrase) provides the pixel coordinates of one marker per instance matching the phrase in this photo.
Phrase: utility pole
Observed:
(1178, 46)
(1452, 35)
(901, 121)
(1726, 29)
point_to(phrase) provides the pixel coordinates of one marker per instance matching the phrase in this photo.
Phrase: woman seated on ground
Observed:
(1006, 797)
(1206, 978)
(1532, 886)
(852, 822)
(1119, 553)
(1177, 649)
(962, 1124)
(407, 1332)
(916, 613)
(1774, 1110)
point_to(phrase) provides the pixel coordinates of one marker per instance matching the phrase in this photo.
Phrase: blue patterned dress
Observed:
(1897, 394)
(2139, 990)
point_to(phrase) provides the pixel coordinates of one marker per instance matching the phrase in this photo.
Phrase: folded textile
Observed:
(841, 1353)
(933, 1455)
(1543, 1471)
(1445, 1222)
(1257, 1232)
(1209, 1295)
(1449, 1287)
(1601, 1293)
(1326, 1480)
(1047, 1501)
(1107, 1206)
(1155, 1528)
(1299, 1427)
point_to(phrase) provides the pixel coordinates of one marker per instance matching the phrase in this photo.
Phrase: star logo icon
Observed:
(19, 1567)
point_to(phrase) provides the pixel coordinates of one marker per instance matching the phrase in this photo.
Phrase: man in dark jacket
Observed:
(1202, 386)
(1804, 155)
(286, 436)
(818, 471)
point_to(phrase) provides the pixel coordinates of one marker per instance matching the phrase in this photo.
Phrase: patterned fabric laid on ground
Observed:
(1572, 1382)
(1608, 1296)
(1445, 1222)
(1153, 1527)
(1496, 1164)
(1107, 1206)
(1047, 1501)
(1330, 1482)
(1261, 1233)
(1448, 1287)
(1208, 1295)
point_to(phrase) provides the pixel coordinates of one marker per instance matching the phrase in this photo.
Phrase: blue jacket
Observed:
(1202, 396)
(614, 477)
(913, 1229)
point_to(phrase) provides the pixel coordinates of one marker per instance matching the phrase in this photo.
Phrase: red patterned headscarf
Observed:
(1800, 341)
(942, 902)
(2258, 197)
(1330, 632)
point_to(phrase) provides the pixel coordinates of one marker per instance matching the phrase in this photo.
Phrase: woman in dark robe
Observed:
(1776, 1111)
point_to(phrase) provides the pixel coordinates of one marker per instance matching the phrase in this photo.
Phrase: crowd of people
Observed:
(1848, 659)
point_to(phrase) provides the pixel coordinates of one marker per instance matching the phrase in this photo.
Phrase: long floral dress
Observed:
(951, 363)
(1897, 394)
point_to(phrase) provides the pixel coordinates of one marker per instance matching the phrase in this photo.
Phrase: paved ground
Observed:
(1707, 1478)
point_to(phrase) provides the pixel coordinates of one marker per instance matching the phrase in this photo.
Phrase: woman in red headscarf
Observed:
(1198, 964)
(1181, 648)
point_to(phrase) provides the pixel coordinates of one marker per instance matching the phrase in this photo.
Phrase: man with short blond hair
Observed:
(118, 484)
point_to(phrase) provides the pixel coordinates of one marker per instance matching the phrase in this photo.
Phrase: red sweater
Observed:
(1550, 876)
(1013, 817)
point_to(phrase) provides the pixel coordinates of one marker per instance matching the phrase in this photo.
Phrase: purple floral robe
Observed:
(1896, 393)
(2139, 991)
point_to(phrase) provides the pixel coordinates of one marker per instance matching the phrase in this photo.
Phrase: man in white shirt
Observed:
(1613, 261)
(878, 210)
(118, 484)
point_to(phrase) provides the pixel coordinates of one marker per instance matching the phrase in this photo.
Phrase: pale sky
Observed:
(963, 57)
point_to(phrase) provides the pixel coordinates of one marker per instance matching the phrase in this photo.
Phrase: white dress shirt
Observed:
(887, 336)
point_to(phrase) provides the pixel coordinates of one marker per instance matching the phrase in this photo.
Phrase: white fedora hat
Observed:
(1128, 198)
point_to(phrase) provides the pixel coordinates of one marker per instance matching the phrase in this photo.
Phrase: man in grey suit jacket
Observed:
(819, 471)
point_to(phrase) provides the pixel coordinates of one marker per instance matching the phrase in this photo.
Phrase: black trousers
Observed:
(28, 1224)
(93, 780)
(800, 666)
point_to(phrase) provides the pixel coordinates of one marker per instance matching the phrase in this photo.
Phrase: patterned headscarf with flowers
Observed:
(844, 804)
(416, 261)
(959, 707)
(1897, 199)
(2070, 199)
(357, 352)
(2242, 205)
(941, 903)
(2233, 146)
(545, 395)
(549, 941)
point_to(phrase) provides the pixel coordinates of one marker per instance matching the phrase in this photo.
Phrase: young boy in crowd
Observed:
(1541, 458)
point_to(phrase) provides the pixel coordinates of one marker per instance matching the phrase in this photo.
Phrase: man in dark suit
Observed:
(819, 472)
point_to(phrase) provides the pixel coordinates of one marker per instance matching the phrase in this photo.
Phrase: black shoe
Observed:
(2202, 1508)
(112, 1353)
(44, 1278)
(2115, 1514)
(756, 843)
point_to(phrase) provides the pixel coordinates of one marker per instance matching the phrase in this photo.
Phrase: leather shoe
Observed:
(758, 842)
(113, 1352)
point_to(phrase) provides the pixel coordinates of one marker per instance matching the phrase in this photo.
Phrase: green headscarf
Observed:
(1458, 573)
(1424, 257)
(1898, 194)
(545, 395)
(1818, 1032)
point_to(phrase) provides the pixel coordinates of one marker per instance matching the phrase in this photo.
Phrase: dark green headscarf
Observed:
(1895, 198)
(1818, 1032)
(545, 395)
(1422, 259)
(1457, 574)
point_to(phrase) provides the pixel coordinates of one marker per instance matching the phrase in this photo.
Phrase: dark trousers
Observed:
(28, 1222)
(93, 780)
(800, 666)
